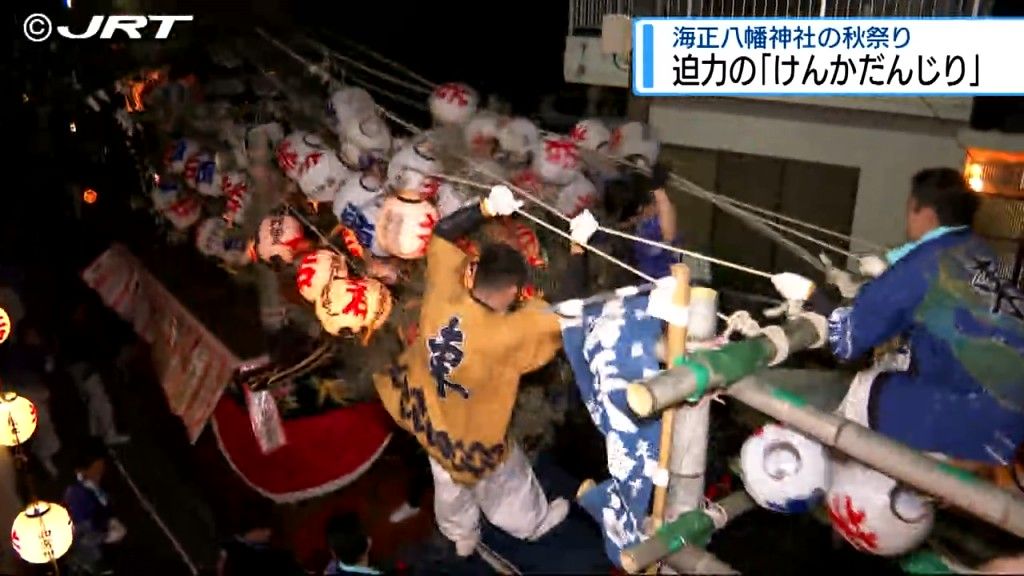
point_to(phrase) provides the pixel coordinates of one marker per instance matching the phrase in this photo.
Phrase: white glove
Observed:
(741, 321)
(871, 266)
(570, 308)
(582, 227)
(792, 286)
(660, 305)
(501, 202)
(844, 281)
(115, 532)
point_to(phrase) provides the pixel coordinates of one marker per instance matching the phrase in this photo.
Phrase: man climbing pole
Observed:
(456, 383)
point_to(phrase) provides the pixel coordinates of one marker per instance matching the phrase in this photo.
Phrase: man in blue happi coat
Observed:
(962, 392)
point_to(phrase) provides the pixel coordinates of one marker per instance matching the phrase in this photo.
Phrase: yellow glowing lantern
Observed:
(42, 533)
(354, 305)
(89, 196)
(17, 419)
(995, 172)
(5, 326)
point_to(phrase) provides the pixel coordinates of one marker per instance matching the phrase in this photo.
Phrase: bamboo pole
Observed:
(692, 529)
(707, 370)
(694, 560)
(675, 347)
(988, 502)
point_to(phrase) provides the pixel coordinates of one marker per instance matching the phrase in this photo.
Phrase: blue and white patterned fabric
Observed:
(612, 345)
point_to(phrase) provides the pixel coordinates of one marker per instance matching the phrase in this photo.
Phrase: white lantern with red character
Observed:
(280, 237)
(316, 269)
(785, 471)
(453, 104)
(323, 175)
(165, 192)
(482, 133)
(365, 140)
(178, 152)
(235, 188)
(557, 160)
(591, 134)
(635, 141)
(183, 212)
(201, 174)
(210, 237)
(405, 224)
(411, 168)
(353, 305)
(875, 513)
(517, 139)
(348, 104)
(357, 204)
(450, 198)
(291, 152)
(576, 196)
(42, 532)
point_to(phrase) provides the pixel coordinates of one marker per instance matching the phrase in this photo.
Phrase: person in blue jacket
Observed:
(963, 394)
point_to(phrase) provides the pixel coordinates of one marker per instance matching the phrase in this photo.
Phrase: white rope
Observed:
(151, 511)
(386, 93)
(377, 56)
(382, 75)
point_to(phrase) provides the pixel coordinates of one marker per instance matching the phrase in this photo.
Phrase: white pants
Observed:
(510, 498)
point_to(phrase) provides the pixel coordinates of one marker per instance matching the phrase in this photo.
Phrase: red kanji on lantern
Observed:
(429, 189)
(304, 279)
(453, 93)
(579, 133)
(351, 241)
(311, 160)
(427, 230)
(527, 180)
(562, 152)
(287, 157)
(183, 207)
(849, 522)
(615, 139)
(582, 203)
(357, 298)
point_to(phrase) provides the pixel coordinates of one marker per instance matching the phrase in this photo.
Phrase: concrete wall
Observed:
(888, 149)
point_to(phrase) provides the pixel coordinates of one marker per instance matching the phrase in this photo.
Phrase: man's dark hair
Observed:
(346, 537)
(87, 455)
(944, 191)
(499, 267)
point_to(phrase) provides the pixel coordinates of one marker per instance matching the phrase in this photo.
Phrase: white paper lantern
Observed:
(591, 134)
(235, 186)
(557, 161)
(201, 174)
(482, 133)
(210, 237)
(635, 140)
(165, 192)
(357, 204)
(316, 269)
(876, 514)
(576, 196)
(411, 166)
(364, 140)
(785, 471)
(291, 152)
(517, 138)
(5, 326)
(281, 237)
(405, 225)
(177, 153)
(42, 533)
(18, 419)
(323, 175)
(347, 104)
(354, 305)
(453, 103)
(451, 198)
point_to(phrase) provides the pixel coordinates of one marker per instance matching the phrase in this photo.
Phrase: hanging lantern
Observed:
(280, 237)
(210, 237)
(292, 151)
(353, 304)
(5, 326)
(350, 241)
(634, 141)
(237, 251)
(576, 196)
(482, 134)
(517, 139)
(557, 161)
(164, 193)
(201, 174)
(453, 104)
(348, 104)
(184, 212)
(357, 204)
(178, 153)
(316, 269)
(42, 533)
(450, 198)
(785, 471)
(18, 419)
(590, 134)
(323, 174)
(235, 186)
(410, 169)
(528, 180)
(404, 226)
(365, 140)
(526, 241)
(876, 514)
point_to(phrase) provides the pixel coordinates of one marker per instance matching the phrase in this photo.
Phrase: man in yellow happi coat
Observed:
(455, 385)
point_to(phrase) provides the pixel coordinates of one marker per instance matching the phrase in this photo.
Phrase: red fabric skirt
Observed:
(323, 452)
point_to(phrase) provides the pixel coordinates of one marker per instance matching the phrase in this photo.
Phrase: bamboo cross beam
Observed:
(988, 502)
(707, 370)
(694, 560)
(692, 529)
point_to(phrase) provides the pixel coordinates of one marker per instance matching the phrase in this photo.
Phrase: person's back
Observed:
(250, 552)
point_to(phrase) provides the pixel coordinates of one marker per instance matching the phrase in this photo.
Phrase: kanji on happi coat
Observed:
(612, 345)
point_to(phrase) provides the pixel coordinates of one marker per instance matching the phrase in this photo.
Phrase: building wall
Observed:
(887, 149)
